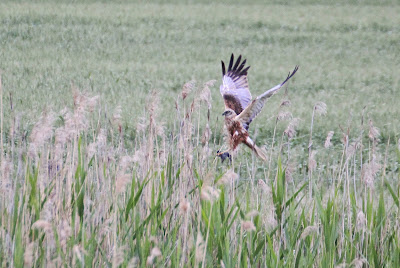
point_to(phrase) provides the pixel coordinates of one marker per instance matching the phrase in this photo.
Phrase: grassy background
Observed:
(348, 55)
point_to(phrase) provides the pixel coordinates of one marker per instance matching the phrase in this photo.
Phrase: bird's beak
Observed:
(224, 113)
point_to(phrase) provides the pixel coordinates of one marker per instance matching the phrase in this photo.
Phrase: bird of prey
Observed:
(240, 109)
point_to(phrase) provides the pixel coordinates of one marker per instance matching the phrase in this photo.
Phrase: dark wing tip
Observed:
(235, 68)
(237, 62)
(231, 63)
(223, 68)
(290, 75)
(241, 66)
(244, 72)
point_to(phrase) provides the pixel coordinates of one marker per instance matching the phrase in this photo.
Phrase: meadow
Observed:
(111, 118)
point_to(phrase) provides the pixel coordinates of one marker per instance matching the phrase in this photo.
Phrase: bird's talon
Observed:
(224, 155)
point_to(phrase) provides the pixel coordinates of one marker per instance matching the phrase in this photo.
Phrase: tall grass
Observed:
(75, 192)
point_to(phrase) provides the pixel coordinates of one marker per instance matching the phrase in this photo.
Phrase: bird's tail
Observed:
(259, 152)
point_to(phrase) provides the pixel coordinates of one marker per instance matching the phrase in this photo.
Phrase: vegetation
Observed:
(100, 169)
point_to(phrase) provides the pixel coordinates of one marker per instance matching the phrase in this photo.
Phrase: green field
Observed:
(348, 55)
(104, 163)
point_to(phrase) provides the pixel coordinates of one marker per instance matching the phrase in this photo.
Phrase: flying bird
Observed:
(240, 109)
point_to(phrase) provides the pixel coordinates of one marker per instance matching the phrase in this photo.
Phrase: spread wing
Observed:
(248, 114)
(235, 88)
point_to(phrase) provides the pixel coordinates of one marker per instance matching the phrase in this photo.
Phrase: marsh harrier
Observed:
(240, 109)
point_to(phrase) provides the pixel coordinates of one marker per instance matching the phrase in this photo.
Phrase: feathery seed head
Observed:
(328, 139)
(187, 88)
(248, 226)
(290, 131)
(252, 214)
(133, 263)
(117, 118)
(228, 177)
(205, 94)
(320, 108)
(121, 182)
(309, 230)
(373, 132)
(358, 262)
(284, 115)
(312, 163)
(353, 147)
(369, 172)
(28, 255)
(200, 247)
(286, 103)
(361, 221)
(184, 206)
(206, 135)
(42, 224)
(41, 132)
(208, 193)
(266, 189)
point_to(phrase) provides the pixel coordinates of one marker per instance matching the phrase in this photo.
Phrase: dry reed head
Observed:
(119, 256)
(133, 263)
(309, 230)
(121, 181)
(312, 163)
(284, 115)
(82, 102)
(205, 94)
(358, 262)
(328, 139)
(116, 117)
(79, 252)
(200, 247)
(184, 206)
(370, 171)
(263, 186)
(64, 232)
(286, 103)
(29, 255)
(209, 193)
(373, 132)
(320, 108)
(353, 147)
(153, 104)
(206, 135)
(248, 226)
(229, 177)
(41, 132)
(75, 122)
(361, 221)
(290, 131)
(141, 124)
(252, 214)
(42, 224)
(187, 88)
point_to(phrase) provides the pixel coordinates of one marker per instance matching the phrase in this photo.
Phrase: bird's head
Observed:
(229, 113)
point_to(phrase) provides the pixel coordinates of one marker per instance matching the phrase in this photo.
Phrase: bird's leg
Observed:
(221, 153)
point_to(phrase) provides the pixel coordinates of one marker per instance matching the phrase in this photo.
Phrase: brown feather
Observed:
(233, 103)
